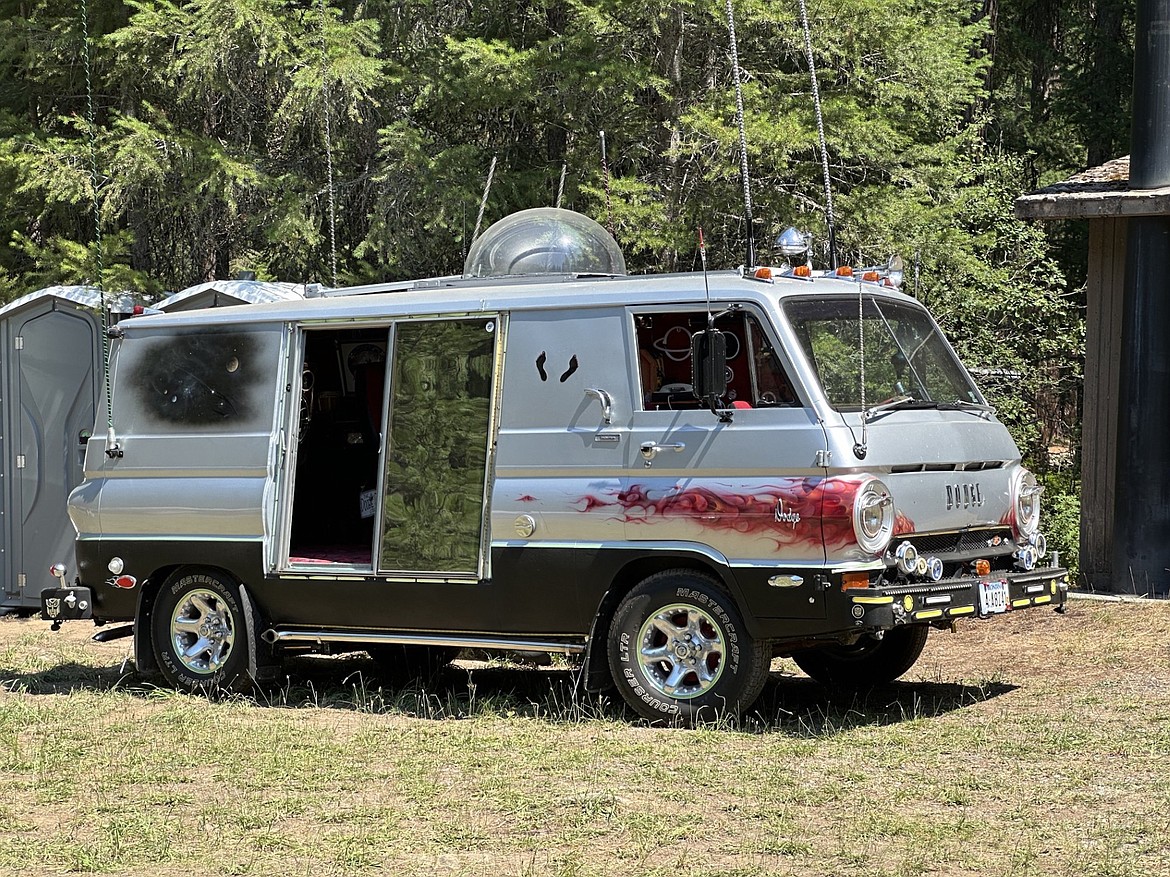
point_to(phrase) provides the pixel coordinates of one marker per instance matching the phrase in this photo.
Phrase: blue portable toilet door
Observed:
(56, 390)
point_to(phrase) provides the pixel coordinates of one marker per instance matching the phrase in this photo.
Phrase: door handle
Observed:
(606, 401)
(650, 450)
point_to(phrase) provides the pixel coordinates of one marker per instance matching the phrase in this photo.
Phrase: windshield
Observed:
(905, 355)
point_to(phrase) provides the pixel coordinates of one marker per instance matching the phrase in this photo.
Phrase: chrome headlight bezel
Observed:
(1025, 499)
(873, 516)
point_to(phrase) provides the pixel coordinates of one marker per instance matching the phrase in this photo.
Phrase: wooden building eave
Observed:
(1094, 193)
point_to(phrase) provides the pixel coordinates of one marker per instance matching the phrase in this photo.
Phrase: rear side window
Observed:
(194, 380)
(755, 376)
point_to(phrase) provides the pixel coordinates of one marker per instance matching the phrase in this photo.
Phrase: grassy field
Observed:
(1033, 745)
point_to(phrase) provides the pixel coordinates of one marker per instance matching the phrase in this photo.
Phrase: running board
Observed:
(359, 638)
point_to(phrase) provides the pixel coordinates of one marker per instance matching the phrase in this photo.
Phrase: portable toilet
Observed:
(50, 385)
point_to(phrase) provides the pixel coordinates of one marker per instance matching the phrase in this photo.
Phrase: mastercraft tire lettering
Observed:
(199, 633)
(678, 650)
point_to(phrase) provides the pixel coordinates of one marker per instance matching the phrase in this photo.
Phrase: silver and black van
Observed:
(676, 477)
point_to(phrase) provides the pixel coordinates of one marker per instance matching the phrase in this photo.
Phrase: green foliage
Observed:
(1061, 522)
(212, 153)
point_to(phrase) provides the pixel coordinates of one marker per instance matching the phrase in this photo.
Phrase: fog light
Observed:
(115, 565)
(1040, 543)
(934, 569)
(907, 556)
(1026, 558)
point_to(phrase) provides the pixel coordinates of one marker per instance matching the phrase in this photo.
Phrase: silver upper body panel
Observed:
(569, 464)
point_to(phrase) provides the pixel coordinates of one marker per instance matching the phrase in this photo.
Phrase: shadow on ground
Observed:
(792, 705)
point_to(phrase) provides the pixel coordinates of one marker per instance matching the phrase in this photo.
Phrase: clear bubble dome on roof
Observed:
(544, 240)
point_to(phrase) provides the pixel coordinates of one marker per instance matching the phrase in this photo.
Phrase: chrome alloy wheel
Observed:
(681, 650)
(202, 632)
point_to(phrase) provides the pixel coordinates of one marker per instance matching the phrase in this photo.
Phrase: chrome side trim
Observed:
(304, 635)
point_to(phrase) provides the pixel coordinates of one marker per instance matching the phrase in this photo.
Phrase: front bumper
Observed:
(884, 606)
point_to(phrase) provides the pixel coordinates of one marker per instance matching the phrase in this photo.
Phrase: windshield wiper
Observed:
(984, 411)
(898, 403)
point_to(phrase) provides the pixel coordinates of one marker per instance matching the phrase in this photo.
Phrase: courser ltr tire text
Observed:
(679, 652)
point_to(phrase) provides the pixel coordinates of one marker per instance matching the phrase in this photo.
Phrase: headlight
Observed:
(1026, 502)
(873, 516)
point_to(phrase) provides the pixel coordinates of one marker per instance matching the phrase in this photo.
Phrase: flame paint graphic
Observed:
(810, 512)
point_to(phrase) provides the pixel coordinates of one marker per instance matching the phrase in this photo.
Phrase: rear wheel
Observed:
(199, 633)
(679, 651)
(867, 662)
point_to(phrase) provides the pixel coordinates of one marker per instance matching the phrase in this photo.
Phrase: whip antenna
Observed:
(328, 145)
(816, 91)
(112, 448)
(743, 157)
(487, 187)
(561, 187)
(608, 199)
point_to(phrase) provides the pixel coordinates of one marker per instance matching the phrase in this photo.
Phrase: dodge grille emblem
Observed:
(964, 496)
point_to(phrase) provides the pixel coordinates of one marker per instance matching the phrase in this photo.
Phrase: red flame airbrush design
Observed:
(790, 511)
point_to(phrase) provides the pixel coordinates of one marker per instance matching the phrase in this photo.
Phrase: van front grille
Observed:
(989, 541)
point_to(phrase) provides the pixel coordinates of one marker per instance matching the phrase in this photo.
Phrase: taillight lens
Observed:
(873, 516)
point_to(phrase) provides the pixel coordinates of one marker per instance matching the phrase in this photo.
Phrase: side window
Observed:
(755, 379)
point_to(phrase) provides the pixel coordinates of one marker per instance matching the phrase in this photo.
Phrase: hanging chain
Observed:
(743, 157)
(328, 144)
(816, 90)
(91, 121)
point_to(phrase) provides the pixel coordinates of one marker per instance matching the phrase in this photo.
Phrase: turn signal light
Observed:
(982, 567)
(851, 580)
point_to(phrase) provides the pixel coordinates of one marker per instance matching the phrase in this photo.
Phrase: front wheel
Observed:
(199, 632)
(679, 651)
(867, 662)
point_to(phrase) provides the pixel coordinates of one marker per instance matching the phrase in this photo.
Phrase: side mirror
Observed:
(709, 364)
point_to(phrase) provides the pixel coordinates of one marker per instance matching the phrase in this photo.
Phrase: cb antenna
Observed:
(706, 286)
(743, 157)
(487, 187)
(816, 90)
(561, 187)
(608, 198)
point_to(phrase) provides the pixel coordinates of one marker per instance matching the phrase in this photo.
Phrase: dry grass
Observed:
(1033, 745)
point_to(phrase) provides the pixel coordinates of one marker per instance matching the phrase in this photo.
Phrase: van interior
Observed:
(336, 479)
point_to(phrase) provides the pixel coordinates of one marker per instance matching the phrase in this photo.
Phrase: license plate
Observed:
(993, 597)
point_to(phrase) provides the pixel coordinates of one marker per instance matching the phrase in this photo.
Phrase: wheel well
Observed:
(597, 676)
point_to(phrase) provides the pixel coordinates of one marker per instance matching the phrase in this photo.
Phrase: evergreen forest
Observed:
(225, 135)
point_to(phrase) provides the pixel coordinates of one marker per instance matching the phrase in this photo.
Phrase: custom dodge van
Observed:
(676, 477)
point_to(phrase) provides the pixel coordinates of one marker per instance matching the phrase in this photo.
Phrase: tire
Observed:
(867, 663)
(199, 633)
(406, 662)
(679, 651)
